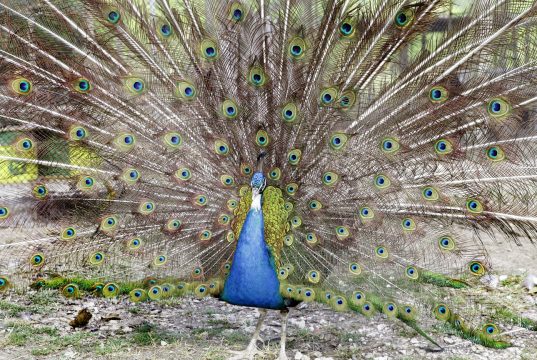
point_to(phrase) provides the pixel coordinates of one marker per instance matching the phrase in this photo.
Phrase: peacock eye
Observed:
(381, 252)
(25, 144)
(289, 113)
(412, 272)
(429, 193)
(446, 243)
(328, 96)
(77, 133)
(390, 145)
(443, 147)
(82, 85)
(257, 76)
(297, 47)
(37, 259)
(229, 109)
(113, 16)
(221, 147)
(209, 50)
(200, 200)
(495, 154)
(355, 268)
(296, 221)
(342, 232)
(498, 108)
(366, 213)
(186, 91)
(382, 182)
(294, 156)
(476, 268)
(275, 174)
(96, 258)
(262, 138)
(227, 180)
(474, 206)
(165, 30)
(135, 86)
(236, 12)
(40, 192)
(330, 178)
(404, 18)
(315, 205)
(346, 28)
(291, 188)
(438, 94)
(408, 224)
(21, 86)
(311, 238)
(338, 141)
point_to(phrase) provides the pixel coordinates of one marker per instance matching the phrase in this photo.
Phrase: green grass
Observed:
(22, 332)
(8, 309)
(148, 334)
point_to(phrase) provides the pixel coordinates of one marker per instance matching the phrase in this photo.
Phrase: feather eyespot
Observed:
(77, 133)
(358, 298)
(382, 182)
(262, 139)
(381, 252)
(25, 144)
(311, 238)
(338, 141)
(297, 48)
(232, 204)
(429, 193)
(21, 86)
(146, 207)
(442, 312)
(70, 291)
(205, 235)
(165, 30)
(438, 94)
(404, 18)
(355, 268)
(275, 174)
(443, 147)
(294, 156)
(230, 109)
(130, 176)
(476, 268)
(328, 96)
(209, 50)
(40, 192)
(289, 113)
(37, 259)
(288, 239)
(347, 100)
(257, 76)
(315, 205)
(186, 91)
(68, 233)
(291, 189)
(408, 224)
(82, 85)
(236, 12)
(495, 154)
(173, 140)
(230, 237)
(347, 28)
(412, 273)
(135, 86)
(330, 178)
(96, 258)
(474, 206)
(221, 147)
(113, 16)
(498, 108)
(366, 213)
(342, 232)
(173, 225)
(200, 200)
(4, 212)
(86, 183)
(296, 221)
(183, 174)
(490, 329)
(390, 145)
(135, 244)
(109, 224)
(227, 180)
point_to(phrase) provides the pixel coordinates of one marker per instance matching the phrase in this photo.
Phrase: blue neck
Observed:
(253, 279)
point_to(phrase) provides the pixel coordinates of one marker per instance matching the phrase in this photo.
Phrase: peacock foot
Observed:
(248, 354)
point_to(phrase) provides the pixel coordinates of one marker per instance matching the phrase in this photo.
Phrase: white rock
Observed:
(298, 355)
(530, 282)
(163, 343)
(503, 277)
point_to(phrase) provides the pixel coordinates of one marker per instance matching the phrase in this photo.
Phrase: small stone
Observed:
(449, 340)
(530, 282)
(503, 277)
(163, 343)
(298, 355)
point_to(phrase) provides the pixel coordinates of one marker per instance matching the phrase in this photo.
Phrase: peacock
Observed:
(270, 153)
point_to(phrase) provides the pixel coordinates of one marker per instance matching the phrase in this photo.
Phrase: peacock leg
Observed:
(252, 349)
(285, 315)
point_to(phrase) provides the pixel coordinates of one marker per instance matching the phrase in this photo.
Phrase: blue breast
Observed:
(252, 280)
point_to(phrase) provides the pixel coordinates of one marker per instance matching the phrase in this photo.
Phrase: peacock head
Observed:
(258, 182)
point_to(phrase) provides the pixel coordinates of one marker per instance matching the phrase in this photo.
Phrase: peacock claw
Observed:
(248, 354)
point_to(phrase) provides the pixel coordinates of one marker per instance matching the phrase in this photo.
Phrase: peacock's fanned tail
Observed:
(397, 139)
